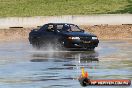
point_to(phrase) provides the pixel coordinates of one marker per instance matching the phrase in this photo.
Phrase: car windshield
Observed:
(75, 28)
(68, 28)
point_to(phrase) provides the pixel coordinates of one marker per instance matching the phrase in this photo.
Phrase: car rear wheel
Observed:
(36, 44)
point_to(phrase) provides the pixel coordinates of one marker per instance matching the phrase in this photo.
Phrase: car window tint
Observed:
(59, 27)
(66, 28)
(50, 28)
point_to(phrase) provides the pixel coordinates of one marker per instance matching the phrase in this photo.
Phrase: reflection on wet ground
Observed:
(24, 67)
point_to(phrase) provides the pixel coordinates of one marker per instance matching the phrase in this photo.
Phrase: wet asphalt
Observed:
(21, 66)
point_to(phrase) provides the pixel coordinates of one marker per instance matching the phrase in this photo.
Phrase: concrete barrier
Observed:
(80, 20)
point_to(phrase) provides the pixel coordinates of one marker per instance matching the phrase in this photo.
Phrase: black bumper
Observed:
(81, 44)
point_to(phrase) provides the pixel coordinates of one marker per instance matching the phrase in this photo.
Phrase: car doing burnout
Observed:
(63, 35)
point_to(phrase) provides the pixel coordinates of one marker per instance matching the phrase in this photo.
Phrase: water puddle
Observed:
(21, 66)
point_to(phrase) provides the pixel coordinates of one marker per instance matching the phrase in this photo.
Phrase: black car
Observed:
(63, 35)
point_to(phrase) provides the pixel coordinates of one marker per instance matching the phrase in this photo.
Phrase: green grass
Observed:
(63, 7)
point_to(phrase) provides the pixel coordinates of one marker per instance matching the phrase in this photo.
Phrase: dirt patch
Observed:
(102, 31)
(14, 34)
(110, 31)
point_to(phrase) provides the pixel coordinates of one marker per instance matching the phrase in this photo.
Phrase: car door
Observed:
(49, 35)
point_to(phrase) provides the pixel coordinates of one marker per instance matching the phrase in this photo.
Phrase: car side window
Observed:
(50, 28)
(59, 27)
(66, 28)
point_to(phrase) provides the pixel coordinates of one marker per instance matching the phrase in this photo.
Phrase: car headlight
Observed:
(94, 38)
(73, 38)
